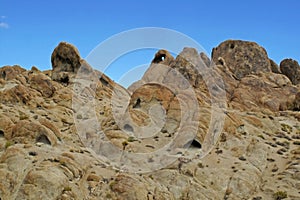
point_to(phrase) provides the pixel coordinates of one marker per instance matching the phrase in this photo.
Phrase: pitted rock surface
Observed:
(257, 155)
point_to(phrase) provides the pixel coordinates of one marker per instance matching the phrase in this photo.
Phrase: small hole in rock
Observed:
(65, 80)
(1, 133)
(196, 144)
(221, 61)
(68, 61)
(103, 81)
(128, 128)
(43, 139)
(3, 75)
(231, 46)
(159, 58)
(32, 153)
(193, 144)
(137, 103)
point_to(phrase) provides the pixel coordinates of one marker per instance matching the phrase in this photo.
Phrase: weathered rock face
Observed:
(65, 58)
(242, 57)
(187, 63)
(42, 83)
(42, 155)
(9, 73)
(30, 132)
(205, 59)
(263, 92)
(291, 69)
(174, 77)
(296, 104)
(163, 57)
(252, 80)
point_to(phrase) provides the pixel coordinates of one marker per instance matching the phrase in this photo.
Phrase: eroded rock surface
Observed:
(65, 59)
(43, 118)
(242, 57)
(291, 69)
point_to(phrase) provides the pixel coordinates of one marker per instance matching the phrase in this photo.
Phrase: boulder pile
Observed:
(73, 133)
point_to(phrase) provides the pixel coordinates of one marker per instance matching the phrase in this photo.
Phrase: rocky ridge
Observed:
(256, 156)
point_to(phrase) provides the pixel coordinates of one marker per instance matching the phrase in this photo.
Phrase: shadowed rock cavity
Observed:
(163, 57)
(43, 139)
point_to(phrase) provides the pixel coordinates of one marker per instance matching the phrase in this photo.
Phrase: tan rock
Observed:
(65, 59)
(11, 72)
(51, 146)
(42, 83)
(163, 57)
(5, 125)
(291, 69)
(242, 57)
(18, 94)
(30, 132)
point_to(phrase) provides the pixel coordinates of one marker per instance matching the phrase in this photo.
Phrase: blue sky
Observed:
(30, 30)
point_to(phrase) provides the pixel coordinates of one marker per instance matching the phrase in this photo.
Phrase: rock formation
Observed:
(65, 59)
(44, 114)
(291, 69)
(242, 57)
(163, 57)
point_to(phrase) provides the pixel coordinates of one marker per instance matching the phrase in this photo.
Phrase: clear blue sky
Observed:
(30, 30)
